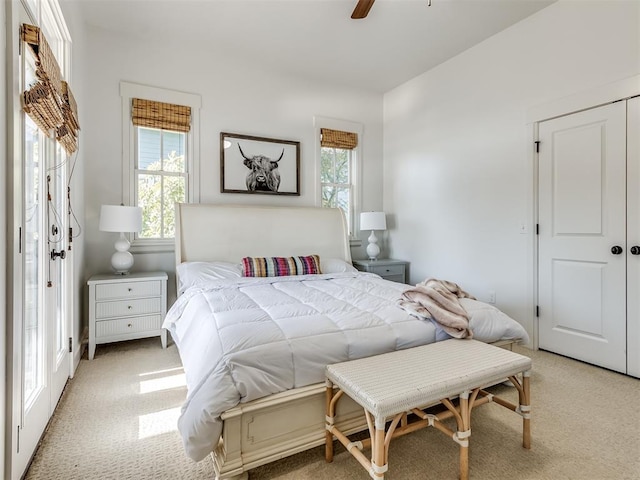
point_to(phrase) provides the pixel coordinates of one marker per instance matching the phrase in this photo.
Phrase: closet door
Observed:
(633, 237)
(582, 236)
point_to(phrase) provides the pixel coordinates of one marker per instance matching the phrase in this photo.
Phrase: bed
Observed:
(254, 349)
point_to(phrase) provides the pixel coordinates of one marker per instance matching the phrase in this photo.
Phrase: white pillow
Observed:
(335, 265)
(490, 324)
(191, 274)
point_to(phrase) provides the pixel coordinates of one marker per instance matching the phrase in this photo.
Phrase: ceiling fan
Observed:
(363, 7)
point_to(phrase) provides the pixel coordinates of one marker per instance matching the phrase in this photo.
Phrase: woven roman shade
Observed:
(338, 139)
(42, 101)
(166, 116)
(67, 134)
(49, 102)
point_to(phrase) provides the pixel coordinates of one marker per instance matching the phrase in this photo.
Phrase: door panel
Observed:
(38, 362)
(577, 153)
(31, 392)
(572, 315)
(57, 264)
(582, 215)
(633, 232)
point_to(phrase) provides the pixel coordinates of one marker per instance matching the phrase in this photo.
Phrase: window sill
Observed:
(152, 247)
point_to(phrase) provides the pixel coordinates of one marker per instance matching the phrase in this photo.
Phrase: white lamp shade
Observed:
(373, 221)
(120, 218)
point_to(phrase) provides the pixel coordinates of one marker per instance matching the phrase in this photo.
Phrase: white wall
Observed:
(458, 175)
(236, 97)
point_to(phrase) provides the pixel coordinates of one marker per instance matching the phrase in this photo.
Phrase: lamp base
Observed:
(122, 260)
(373, 250)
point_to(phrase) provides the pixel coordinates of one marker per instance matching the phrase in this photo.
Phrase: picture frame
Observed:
(258, 165)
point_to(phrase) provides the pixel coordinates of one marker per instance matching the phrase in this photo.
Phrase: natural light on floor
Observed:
(164, 380)
(163, 383)
(164, 421)
(157, 423)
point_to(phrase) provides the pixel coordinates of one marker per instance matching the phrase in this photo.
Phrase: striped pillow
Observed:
(280, 266)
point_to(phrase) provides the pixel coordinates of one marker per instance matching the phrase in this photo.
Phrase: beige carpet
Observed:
(116, 420)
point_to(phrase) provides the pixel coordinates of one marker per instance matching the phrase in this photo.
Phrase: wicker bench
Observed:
(393, 385)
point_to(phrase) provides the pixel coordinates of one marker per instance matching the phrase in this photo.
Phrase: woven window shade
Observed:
(41, 104)
(167, 116)
(338, 139)
(67, 134)
(43, 101)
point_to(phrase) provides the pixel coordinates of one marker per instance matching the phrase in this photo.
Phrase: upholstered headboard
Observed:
(207, 232)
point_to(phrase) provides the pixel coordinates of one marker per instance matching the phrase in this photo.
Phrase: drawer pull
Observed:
(129, 325)
(128, 307)
(388, 270)
(130, 289)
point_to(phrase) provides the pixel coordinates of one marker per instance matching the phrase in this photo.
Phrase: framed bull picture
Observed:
(259, 165)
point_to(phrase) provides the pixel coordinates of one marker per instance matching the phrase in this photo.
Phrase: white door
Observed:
(39, 358)
(57, 315)
(582, 236)
(31, 391)
(633, 237)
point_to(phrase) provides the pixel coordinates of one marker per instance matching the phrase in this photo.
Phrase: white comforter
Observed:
(243, 339)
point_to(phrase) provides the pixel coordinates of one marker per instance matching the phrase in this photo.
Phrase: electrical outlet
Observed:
(491, 297)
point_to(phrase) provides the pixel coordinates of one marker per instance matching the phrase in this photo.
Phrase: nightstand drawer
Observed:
(386, 270)
(123, 326)
(128, 307)
(394, 278)
(112, 291)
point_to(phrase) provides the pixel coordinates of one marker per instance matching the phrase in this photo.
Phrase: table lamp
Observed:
(122, 219)
(373, 221)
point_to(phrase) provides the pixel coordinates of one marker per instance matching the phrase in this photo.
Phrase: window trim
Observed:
(319, 123)
(128, 91)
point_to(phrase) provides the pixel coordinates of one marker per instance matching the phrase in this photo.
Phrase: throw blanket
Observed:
(438, 299)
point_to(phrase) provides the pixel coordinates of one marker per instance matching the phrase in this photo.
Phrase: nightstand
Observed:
(126, 307)
(389, 269)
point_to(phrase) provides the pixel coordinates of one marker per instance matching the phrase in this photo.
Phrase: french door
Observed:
(40, 363)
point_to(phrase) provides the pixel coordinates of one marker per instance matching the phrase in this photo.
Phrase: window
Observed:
(160, 179)
(339, 168)
(160, 132)
(335, 177)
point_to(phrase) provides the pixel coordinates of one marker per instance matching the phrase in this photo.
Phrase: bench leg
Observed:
(379, 456)
(463, 423)
(525, 401)
(524, 409)
(328, 446)
(464, 429)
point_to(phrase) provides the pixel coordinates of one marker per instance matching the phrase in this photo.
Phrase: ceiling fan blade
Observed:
(362, 9)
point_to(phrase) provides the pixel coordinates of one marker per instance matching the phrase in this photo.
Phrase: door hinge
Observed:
(537, 311)
(537, 229)
(19, 239)
(70, 345)
(18, 439)
(537, 142)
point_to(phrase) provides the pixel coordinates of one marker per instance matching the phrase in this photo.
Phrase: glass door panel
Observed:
(33, 331)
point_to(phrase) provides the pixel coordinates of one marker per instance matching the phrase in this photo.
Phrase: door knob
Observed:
(635, 250)
(616, 250)
(62, 254)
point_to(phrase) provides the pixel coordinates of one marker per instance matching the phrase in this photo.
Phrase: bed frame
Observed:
(270, 428)
(273, 427)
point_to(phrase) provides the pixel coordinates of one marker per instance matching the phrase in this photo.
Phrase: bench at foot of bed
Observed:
(393, 385)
